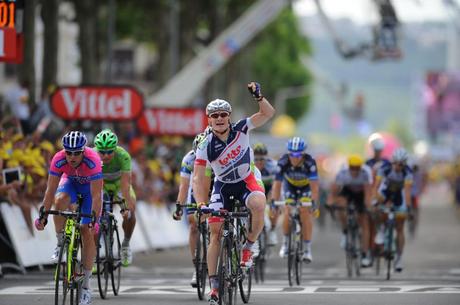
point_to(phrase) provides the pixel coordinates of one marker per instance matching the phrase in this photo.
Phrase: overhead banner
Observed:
(173, 121)
(100, 103)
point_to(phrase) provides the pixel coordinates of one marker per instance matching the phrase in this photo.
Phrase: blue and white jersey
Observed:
(297, 176)
(229, 160)
(269, 171)
(375, 164)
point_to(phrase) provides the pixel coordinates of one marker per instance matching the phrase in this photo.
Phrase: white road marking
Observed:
(328, 289)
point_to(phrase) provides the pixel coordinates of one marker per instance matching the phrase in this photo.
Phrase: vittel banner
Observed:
(172, 121)
(102, 103)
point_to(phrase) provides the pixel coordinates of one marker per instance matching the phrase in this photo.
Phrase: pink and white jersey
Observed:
(230, 160)
(89, 169)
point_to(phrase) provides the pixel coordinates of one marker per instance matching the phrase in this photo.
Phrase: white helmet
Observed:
(400, 155)
(378, 144)
(218, 105)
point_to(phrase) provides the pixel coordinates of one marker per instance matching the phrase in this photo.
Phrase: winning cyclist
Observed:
(75, 170)
(227, 151)
(393, 186)
(268, 168)
(116, 170)
(297, 173)
(354, 184)
(186, 196)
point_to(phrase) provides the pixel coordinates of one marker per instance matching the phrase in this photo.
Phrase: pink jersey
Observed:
(89, 169)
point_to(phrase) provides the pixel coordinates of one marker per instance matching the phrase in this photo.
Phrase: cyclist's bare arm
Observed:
(407, 193)
(125, 186)
(378, 181)
(266, 112)
(52, 185)
(183, 189)
(96, 191)
(201, 183)
(276, 190)
(368, 195)
(332, 194)
(315, 191)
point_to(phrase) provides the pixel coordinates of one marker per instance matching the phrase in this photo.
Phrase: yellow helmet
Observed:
(355, 161)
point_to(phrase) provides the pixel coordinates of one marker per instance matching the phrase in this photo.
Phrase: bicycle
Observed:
(389, 244)
(295, 242)
(260, 262)
(352, 241)
(201, 252)
(230, 273)
(68, 274)
(110, 262)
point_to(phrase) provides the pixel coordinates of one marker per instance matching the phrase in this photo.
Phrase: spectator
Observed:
(17, 97)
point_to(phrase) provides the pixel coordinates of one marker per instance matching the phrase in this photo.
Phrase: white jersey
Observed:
(186, 171)
(345, 179)
(230, 160)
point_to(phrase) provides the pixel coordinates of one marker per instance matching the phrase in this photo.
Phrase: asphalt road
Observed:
(431, 275)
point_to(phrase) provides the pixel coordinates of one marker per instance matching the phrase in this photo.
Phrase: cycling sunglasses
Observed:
(105, 152)
(259, 159)
(73, 153)
(217, 115)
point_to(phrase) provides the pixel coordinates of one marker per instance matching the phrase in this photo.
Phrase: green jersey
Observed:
(120, 163)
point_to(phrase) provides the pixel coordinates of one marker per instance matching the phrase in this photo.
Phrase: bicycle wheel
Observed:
(201, 268)
(61, 277)
(389, 250)
(102, 262)
(77, 275)
(227, 287)
(115, 254)
(298, 258)
(349, 253)
(260, 261)
(244, 278)
(291, 254)
(356, 251)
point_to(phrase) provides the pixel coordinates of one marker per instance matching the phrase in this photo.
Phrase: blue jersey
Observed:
(298, 176)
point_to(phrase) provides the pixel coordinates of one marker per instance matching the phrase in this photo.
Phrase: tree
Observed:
(27, 68)
(87, 12)
(49, 15)
(276, 60)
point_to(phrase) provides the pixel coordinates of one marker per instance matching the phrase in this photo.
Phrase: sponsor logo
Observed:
(97, 103)
(170, 121)
(231, 155)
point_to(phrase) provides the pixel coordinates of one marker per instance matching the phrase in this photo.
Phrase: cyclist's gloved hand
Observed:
(41, 221)
(315, 210)
(40, 224)
(95, 228)
(254, 89)
(177, 214)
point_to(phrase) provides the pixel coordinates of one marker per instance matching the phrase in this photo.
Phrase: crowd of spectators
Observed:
(155, 165)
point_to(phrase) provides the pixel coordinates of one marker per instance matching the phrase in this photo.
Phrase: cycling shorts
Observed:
(242, 190)
(356, 197)
(396, 198)
(294, 194)
(73, 189)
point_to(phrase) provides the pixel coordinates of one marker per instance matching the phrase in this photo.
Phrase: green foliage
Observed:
(276, 61)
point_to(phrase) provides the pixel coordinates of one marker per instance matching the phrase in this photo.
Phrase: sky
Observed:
(363, 11)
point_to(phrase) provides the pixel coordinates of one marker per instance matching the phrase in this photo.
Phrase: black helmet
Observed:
(260, 149)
